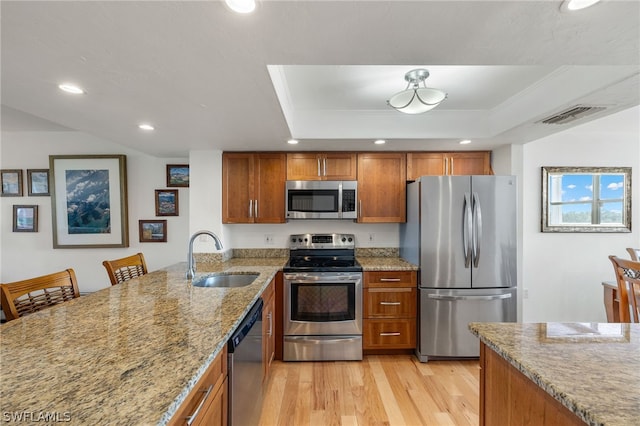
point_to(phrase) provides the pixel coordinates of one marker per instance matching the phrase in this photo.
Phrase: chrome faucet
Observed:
(191, 268)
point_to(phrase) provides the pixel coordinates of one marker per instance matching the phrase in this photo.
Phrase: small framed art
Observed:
(38, 182)
(166, 202)
(178, 175)
(11, 182)
(153, 231)
(25, 218)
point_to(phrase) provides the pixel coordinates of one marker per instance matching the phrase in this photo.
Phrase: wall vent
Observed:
(571, 114)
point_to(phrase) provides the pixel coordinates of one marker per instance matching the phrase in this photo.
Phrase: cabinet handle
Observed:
(324, 167)
(445, 166)
(190, 419)
(390, 303)
(359, 208)
(394, 280)
(319, 167)
(451, 159)
(395, 333)
(250, 208)
(256, 208)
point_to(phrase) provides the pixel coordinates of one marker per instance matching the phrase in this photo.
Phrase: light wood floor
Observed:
(393, 390)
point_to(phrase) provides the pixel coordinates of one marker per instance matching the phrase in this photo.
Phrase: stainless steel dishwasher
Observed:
(245, 369)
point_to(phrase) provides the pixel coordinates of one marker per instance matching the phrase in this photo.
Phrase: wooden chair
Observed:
(124, 269)
(27, 296)
(634, 253)
(628, 278)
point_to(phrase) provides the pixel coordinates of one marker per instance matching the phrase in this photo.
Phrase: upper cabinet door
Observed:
(470, 163)
(237, 188)
(269, 184)
(448, 163)
(321, 166)
(253, 188)
(381, 187)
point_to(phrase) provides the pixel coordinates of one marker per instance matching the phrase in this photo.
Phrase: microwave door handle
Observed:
(340, 200)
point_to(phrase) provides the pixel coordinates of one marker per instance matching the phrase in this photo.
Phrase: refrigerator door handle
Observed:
(467, 226)
(493, 297)
(477, 229)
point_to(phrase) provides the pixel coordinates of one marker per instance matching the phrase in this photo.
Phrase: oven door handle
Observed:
(313, 278)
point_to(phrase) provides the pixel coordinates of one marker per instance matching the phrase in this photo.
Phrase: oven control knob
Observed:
(293, 240)
(344, 239)
(350, 239)
(299, 240)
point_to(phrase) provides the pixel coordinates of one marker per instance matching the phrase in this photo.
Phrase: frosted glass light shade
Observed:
(416, 100)
(241, 6)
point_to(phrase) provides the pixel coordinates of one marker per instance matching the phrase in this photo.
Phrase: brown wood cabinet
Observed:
(253, 187)
(206, 404)
(390, 307)
(509, 398)
(448, 163)
(382, 187)
(268, 331)
(321, 166)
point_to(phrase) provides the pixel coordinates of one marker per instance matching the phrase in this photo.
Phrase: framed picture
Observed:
(166, 202)
(89, 201)
(178, 175)
(11, 183)
(38, 182)
(153, 231)
(25, 218)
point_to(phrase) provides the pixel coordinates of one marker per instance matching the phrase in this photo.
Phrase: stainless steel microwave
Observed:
(322, 199)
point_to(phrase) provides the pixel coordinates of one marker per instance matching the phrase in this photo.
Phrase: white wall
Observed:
(563, 271)
(25, 254)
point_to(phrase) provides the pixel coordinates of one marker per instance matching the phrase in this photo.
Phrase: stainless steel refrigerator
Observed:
(461, 231)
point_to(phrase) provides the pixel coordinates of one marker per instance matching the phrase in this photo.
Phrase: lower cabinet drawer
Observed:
(389, 334)
(390, 302)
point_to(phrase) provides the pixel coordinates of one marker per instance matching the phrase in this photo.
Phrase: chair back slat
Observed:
(628, 279)
(27, 296)
(634, 253)
(126, 268)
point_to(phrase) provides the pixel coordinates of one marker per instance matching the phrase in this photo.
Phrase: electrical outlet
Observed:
(268, 239)
(372, 237)
(525, 293)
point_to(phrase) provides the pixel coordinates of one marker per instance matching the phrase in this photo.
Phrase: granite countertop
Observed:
(127, 354)
(385, 264)
(592, 369)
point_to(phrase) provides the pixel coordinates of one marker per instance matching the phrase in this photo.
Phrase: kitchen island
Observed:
(559, 373)
(127, 354)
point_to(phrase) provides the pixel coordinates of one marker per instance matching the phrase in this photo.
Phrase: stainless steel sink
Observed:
(224, 280)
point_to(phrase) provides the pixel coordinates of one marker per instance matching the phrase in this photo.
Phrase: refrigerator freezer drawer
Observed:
(445, 316)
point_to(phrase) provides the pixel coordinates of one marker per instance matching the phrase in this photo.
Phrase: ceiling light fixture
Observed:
(292, 142)
(145, 126)
(572, 5)
(380, 142)
(71, 88)
(415, 99)
(241, 6)
(465, 142)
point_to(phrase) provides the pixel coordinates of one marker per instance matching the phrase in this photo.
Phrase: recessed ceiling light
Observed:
(145, 126)
(292, 141)
(380, 142)
(71, 88)
(465, 142)
(572, 5)
(241, 6)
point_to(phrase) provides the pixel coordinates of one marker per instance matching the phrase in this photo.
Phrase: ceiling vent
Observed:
(574, 113)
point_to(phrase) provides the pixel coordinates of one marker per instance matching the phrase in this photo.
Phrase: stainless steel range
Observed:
(322, 299)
